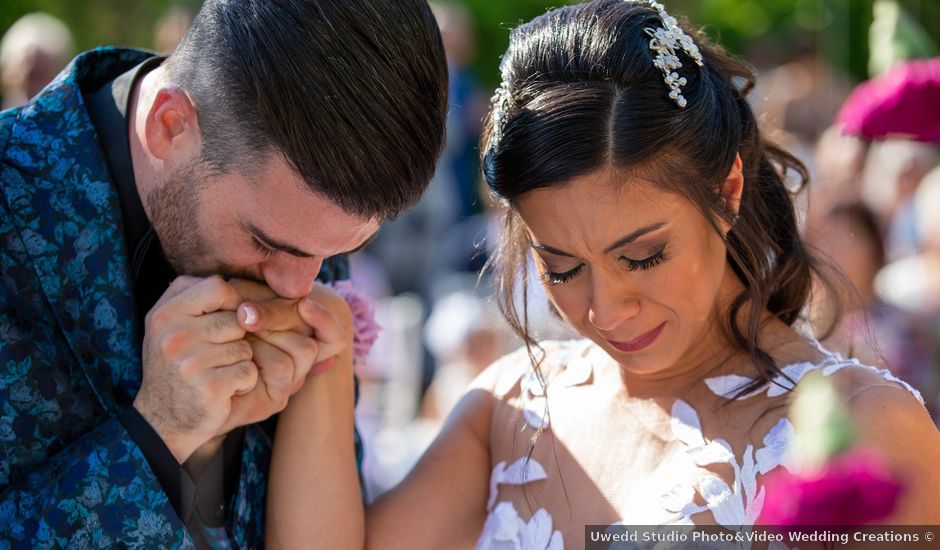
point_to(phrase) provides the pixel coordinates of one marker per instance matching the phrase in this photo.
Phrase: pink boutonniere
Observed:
(365, 329)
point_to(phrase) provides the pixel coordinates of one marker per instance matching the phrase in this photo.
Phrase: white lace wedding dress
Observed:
(669, 496)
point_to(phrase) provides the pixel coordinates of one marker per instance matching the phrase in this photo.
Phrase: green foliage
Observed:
(768, 31)
(97, 22)
(494, 20)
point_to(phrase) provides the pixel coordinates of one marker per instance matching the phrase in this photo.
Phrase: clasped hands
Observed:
(222, 354)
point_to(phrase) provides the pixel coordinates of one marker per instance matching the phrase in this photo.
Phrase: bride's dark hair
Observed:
(580, 93)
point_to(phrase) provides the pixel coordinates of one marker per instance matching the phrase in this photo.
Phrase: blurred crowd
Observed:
(870, 211)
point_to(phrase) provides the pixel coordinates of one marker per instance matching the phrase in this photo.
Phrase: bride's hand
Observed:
(289, 340)
(322, 315)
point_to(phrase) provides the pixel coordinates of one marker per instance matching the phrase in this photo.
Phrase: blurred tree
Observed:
(767, 31)
(896, 36)
(98, 22)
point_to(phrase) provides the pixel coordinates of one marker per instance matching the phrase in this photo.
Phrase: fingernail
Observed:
(248, 314)
(323, 366)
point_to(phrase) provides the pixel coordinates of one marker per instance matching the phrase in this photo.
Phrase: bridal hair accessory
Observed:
(501, 101)
(665, 41)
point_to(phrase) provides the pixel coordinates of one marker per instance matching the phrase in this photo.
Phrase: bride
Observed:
(633, 173)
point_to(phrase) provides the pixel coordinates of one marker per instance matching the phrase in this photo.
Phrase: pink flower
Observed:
(899, 103)
(853, 488)
(365, 329)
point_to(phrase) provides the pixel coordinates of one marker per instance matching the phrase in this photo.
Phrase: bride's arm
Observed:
(313, 489)
(442, 502)
(893, 423)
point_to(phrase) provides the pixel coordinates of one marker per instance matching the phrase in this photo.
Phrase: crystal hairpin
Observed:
(501, 102)
(665, 42)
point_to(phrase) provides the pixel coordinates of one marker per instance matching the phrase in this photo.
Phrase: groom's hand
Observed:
(287, 337)
(195, 359)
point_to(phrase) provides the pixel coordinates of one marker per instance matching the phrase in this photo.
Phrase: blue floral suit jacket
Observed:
(70, 475)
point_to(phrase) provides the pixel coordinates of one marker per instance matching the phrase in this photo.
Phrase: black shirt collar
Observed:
(150, 272)
(108, 109)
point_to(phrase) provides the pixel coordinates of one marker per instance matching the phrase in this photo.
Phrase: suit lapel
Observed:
(68, 215)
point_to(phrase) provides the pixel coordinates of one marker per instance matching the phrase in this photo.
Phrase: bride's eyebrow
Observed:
(620, 242)
(634, 236)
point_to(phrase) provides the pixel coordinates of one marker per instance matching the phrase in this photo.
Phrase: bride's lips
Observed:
(641, 342)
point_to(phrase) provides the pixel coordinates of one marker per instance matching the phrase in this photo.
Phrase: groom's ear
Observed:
(172, 126)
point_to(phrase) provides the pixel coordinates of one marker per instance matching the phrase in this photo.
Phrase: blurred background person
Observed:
(797, 99)
(32, 52)
(912, 285)
(443, 235)
(171, 27)
(465, 334)
(839, 171)
(467, 105)
(873, 329)
(894, 170)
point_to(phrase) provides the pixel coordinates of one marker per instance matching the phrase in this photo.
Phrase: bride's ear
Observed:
(733, 187)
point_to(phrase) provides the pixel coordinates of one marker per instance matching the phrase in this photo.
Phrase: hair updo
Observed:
(580, 93)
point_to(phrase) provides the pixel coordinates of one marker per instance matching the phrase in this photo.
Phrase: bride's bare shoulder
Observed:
(507, 376)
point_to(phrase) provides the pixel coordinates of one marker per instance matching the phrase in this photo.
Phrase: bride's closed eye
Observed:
(659, 256)
(650, 262)
(552, 278)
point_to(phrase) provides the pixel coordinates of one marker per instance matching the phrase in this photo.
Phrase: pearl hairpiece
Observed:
(665, 41)
(501, 101)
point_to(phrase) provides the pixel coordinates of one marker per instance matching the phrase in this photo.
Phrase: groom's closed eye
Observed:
(268, 246)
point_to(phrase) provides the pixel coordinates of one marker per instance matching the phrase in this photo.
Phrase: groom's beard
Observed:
(174, 208)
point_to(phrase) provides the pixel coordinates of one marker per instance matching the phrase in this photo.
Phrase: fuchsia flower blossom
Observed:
(365, 329)
(899, 103)
(853, 488)
(831, 479)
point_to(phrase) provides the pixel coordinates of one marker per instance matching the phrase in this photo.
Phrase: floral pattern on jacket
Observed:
(70, 474)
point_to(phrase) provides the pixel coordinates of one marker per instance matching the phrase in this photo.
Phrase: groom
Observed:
(274, 139)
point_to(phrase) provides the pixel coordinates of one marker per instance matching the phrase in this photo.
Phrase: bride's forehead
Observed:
(600, 195)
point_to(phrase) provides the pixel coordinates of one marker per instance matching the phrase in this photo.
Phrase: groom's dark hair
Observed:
(352, 94)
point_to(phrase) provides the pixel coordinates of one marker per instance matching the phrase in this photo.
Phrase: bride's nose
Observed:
(612, 301)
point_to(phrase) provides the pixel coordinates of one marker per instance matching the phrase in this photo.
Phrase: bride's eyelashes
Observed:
(552, 278)
(658, 257)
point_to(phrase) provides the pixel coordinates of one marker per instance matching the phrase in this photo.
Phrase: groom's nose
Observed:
(291, 277)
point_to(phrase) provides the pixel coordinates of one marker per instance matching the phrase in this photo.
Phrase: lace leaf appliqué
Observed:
(504, 529)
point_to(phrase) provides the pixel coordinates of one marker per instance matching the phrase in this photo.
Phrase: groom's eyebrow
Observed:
(274, 244)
